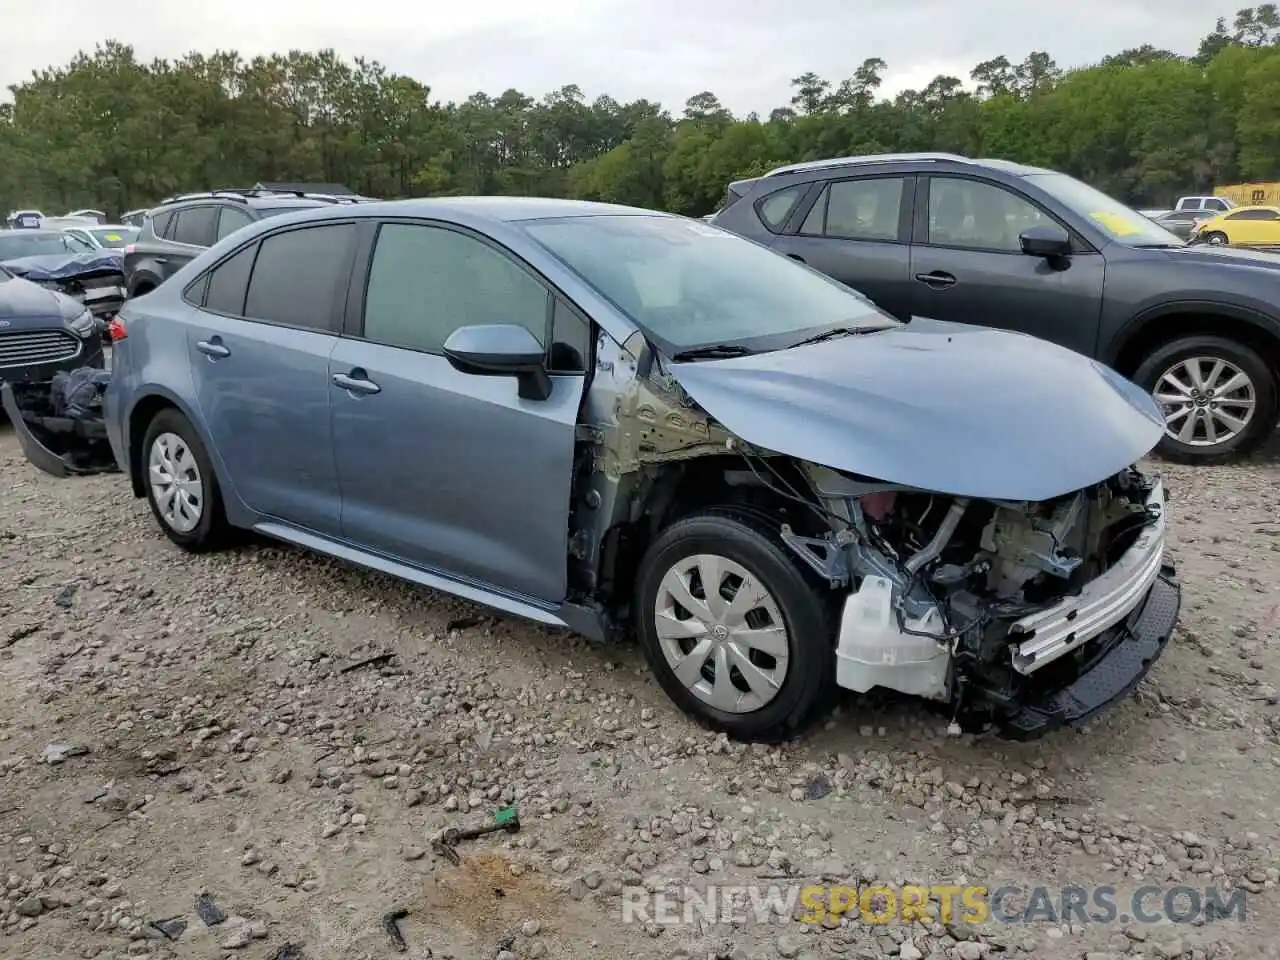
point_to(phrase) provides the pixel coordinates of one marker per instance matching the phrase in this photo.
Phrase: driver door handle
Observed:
(356, 382)
(212, 348)
(936, 279)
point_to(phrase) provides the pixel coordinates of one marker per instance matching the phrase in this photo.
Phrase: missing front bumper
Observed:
(61, 436)
(1127, 652)
(1067, 626)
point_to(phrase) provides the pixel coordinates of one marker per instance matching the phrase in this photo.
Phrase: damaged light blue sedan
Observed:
(626, 422)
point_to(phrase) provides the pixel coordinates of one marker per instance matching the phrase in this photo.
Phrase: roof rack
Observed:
(869, 159)
(245, 193)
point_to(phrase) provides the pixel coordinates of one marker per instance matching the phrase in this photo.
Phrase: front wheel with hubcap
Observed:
(1218, 397)
(181, 486)
(734, 631)
(1217, 239)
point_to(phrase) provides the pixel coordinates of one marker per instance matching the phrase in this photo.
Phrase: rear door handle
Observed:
(356, 382)
(212, 348)
(162, 260)
(937, 279)
(796, 257)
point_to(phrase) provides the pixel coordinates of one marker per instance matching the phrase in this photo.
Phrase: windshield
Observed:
(1112, 217)
(688, 284)
(116, 236)
(21, 243)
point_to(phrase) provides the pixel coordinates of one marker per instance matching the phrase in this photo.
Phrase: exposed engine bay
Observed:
(962, 600)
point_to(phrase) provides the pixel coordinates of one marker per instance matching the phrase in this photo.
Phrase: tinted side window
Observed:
(570, 340)
(160, 224)
(426, 282)
(195, 226)
(777, 206)
(229, 281)
(297, 275)
(230, 220)
(857, 210)
(979, 216)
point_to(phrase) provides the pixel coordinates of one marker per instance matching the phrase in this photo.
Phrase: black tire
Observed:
(1266, 396)
(1217, 238)
(750, 539)
(212, 530)
(143, 287)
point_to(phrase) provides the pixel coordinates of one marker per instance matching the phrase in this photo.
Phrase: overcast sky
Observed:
(745, 51)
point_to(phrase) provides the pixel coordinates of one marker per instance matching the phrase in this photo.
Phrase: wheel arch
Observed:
(143, 411)
(1168, 322)
(679, 489)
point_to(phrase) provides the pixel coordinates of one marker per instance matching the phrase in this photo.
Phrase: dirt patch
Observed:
(225, 750)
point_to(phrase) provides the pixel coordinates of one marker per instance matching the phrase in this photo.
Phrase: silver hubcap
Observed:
(175, 482)
(1218, 240)
(722, 633)
(1206, 401)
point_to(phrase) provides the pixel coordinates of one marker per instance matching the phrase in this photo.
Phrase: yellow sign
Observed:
(113, 237)
(1117, 223)
(887, 905)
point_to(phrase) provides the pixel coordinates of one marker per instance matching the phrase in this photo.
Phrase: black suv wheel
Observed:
(1219, 398)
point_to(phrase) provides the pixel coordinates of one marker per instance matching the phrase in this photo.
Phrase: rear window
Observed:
(160, 223)
(195, 226)
(297, 274)
(777, 206)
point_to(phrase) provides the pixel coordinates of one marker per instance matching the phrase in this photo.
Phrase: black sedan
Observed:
(43, 332)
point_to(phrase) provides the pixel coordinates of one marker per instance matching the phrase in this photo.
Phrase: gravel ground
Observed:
(172, 727)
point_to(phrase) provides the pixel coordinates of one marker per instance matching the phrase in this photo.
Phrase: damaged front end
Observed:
(94, 279)
(1033, 615)
(986, 590)
(60, 423)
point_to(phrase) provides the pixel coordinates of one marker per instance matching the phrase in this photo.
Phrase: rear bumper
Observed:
(1126, 652)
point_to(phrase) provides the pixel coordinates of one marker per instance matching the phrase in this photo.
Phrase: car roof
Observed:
(1017, 169)
(493, 209)
(48, 234)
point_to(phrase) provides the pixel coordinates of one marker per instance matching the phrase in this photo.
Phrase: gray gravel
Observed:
(175, 729)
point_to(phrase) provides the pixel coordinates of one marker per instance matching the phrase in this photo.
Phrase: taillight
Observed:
(116, 330)
(129, 248)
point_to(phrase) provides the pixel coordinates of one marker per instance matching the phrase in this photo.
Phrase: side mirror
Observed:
(1047, 240)
(501, 350)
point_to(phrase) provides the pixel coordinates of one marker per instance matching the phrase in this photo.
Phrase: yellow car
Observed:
(1241, 227)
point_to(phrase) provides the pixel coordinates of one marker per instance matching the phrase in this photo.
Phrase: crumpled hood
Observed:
(957, 409)
(22, 302)
(65, 266)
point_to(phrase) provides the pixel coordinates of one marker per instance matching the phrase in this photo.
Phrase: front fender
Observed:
(1141, 322)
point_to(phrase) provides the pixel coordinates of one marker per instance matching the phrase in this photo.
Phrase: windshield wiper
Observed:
(833, 333)
(713, 352)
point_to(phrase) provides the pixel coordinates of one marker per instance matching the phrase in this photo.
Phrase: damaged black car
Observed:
(67, 265)
(52, 376)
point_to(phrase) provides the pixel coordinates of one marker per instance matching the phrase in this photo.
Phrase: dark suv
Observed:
(180, 227)
(1003, 245)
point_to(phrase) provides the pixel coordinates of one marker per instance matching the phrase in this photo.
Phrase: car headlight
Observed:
(84, 326)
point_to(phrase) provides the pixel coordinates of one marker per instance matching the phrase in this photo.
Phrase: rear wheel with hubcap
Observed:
(1218, 397)
(1217, 238)
(181, 486)
(735, 632)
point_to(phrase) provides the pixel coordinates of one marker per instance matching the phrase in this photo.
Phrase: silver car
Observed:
(625, 422)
